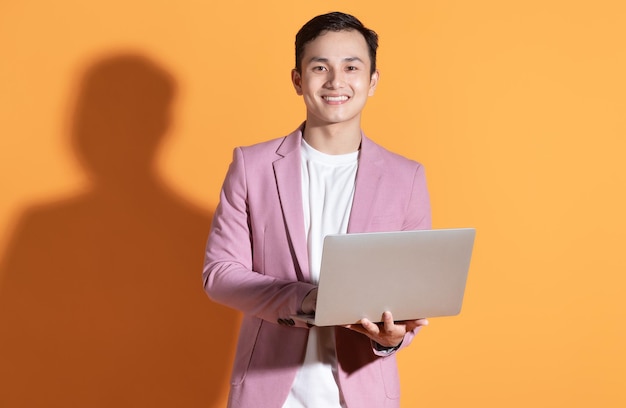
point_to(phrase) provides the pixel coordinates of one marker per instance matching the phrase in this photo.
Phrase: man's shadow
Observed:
(101, 300)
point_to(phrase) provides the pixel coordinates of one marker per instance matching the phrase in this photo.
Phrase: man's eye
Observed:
(351, 68)
(319, 68)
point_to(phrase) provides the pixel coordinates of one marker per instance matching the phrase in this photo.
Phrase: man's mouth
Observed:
(341, 98)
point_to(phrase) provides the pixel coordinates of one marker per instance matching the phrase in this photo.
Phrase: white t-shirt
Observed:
(327, 193)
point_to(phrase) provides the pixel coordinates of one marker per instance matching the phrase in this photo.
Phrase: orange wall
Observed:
(516, 109)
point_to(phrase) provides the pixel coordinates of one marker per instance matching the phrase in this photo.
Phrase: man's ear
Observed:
(373, 82)
(296, 80)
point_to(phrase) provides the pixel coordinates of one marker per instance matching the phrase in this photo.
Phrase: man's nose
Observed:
(336, 79)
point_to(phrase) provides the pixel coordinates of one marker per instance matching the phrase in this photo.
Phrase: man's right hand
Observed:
(309, 302)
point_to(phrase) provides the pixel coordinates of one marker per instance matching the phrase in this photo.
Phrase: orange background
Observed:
(515, 108)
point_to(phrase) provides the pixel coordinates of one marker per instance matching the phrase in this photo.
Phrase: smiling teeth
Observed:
(336, 98)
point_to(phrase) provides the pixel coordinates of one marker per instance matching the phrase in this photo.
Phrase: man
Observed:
(279, 199)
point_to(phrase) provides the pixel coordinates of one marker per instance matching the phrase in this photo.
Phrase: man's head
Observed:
(336, 71)
(335, 21)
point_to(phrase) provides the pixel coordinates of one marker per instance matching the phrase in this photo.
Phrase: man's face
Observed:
(335, 79)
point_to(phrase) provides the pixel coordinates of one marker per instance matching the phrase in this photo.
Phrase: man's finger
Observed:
(388, 323)
(369, 326)
(412, 324)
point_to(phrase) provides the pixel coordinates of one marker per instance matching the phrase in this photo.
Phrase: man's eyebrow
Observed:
(325, 60)
(318, 59)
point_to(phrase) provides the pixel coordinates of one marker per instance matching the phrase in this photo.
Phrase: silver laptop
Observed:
(413, 274)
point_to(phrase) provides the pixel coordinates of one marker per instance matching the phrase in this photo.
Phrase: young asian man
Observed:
(279, 199)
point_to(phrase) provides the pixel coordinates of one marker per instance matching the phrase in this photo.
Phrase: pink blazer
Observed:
(256, 262)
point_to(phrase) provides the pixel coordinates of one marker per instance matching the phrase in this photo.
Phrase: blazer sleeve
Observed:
(227, 275)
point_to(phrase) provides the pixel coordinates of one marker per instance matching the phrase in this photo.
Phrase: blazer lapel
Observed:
(288, 181)
(368, 178)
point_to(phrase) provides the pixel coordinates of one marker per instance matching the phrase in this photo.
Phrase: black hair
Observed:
(335, 21)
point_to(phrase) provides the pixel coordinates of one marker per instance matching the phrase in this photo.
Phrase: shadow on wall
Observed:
(101, 301)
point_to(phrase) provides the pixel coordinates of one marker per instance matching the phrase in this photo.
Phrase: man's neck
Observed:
(334, 138)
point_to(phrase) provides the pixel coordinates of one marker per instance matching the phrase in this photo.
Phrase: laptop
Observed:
(412, 274)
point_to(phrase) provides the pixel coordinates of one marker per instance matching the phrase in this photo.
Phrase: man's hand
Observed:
(388, 333)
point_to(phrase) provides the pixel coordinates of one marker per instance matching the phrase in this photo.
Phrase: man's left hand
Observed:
(387, 333)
